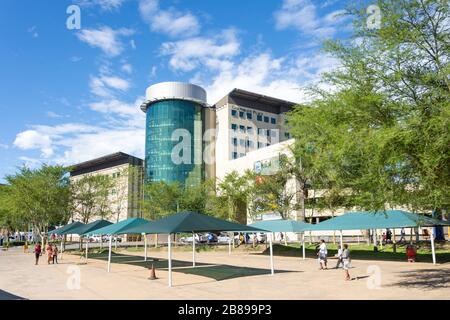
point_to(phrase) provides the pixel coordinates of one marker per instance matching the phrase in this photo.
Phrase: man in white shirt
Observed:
(322, 255)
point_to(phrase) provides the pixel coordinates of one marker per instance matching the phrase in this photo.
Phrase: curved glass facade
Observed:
(173, 143)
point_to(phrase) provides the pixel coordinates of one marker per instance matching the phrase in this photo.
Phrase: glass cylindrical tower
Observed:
(173, 139)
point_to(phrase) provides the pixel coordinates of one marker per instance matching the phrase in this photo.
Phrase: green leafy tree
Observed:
(38, 197)
(381, 136)
(90, 197)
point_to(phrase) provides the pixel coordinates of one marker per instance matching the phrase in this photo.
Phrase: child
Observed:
(49, 253)
(322, 255)
(55, 254)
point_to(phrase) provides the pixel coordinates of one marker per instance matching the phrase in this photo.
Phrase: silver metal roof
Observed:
(174, 90)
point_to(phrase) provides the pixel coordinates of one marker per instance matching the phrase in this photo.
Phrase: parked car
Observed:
(211, 238)
(199, 238)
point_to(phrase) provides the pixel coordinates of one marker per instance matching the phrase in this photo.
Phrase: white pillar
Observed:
(87, 245)
(229, 246)
(169, 258)
(145, 246)
(115, 243)
(193, 249)
(433, 253)
(101, 242)
(271, 255)
(341, 240)
(62, 240)
(303, 245)
(109, 253)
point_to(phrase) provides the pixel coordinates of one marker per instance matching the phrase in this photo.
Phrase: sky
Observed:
(69, 95)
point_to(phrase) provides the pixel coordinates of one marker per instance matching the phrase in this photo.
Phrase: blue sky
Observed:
(71, 95)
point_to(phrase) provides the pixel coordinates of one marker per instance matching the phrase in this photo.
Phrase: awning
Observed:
(190, 222)
(86, 228)
(281, 225)
(67, 227)
(118, 228)
(363, 220)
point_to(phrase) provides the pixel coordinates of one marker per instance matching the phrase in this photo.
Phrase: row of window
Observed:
(235, 155)
(261, 131)
(249, 116)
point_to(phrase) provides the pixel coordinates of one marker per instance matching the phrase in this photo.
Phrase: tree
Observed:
(39, 197)
(161, 199)
(90, 197)
(382, 135)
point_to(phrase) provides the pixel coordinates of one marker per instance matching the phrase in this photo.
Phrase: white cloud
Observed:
(187, 54)
(53, 115)
(69, 143)
(107, 5)
(128, 68)
(104, 85)
(4, 146)
(302, 15)
(283, 78)
(75, 59)
(171, 22)
(105, 38)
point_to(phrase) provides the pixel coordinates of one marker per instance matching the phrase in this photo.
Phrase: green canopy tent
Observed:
(64, 230)
(284, 226)
(86, 228)
(67, 227)
(120, 228)
(191, 222)
(361, 220)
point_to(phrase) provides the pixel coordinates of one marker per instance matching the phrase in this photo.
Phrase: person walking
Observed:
(55, 254)
(37, 252)
(402, 235)
(346, 261)
(339, 258)
(49, 251)
(322, 255)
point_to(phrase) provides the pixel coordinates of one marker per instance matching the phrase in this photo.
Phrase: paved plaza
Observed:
(217, 275)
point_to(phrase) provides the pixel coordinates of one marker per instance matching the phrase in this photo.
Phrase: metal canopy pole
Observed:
(271, 255)
(169, 260)
(109, 253)
(433, 252)
(193, 249)
(229, 246)
(145, 246)
(87, 245)
(303, 245)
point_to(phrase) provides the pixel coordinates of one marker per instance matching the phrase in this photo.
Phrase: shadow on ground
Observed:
(290, 251)
(217, 272)
(9, 296)
(426, 279)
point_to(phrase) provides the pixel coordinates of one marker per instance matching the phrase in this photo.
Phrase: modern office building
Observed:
(127, 173)
(176, 118)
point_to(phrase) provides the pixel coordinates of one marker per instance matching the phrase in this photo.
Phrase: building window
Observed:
(234, 113)
(241, 155)
(234, 141)
(260, 145)
(273, 121)
(287, 135)
(273, 133)
(268, 132)
(241, 114)
(266, 119)
(242, 129)
(249, 130)
(234, 155)
(249, 116)
(234, 126)
(249, 144)
(260, 131)
(259, 117)
(242, 142)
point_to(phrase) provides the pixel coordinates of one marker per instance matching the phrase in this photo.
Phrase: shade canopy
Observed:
(190, 222)
(281, 225)
(377, 220)
(86, 228)
(66, 228)
(119, 228)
